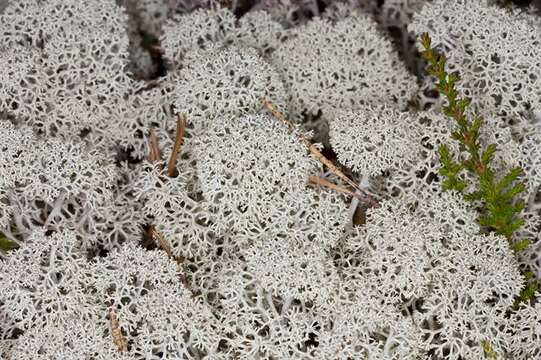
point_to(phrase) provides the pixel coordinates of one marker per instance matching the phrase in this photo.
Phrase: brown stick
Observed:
(181, 127)
(370, 201)
(319, 181)
(160, 240)
(156, 48)
(116, 332)
(313, 149)
(154, 154)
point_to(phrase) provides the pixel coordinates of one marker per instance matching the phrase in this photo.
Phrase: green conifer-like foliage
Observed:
(497, 194)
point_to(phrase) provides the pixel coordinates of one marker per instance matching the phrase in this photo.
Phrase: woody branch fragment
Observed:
(314, 151)
(181, 128)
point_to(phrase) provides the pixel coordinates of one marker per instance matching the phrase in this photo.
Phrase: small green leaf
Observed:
(488, 350)
(476, 125)
(447, 111)
(486, 221)
(426, 41)
(514, 191)
(457, 135)
(521, 245)
(488, 154)
(473, 196)
(443, 151)
(463, 103)
(453, 77)
(6, 244)
(453, 184)
(527, 293)
(508, 179)
(514, 226)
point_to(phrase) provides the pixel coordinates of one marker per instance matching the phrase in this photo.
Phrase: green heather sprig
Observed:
(497, 194)
(5, 244)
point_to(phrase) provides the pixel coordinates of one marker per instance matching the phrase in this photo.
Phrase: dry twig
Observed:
(315, 151)
(319, 181)
(155, 154)
(157, 48)
(154, 234)
(181, 128)
(162, 244)
(116, 331)
(160, 241)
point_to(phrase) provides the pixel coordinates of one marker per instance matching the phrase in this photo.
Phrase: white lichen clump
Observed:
(153, 206)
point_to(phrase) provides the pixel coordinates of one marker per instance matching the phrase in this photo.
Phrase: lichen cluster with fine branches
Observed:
(260, 179)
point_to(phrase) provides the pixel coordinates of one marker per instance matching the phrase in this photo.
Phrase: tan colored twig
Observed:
(155, 235)
(162, 244)
(116, 331)
(154, 154)
(181, 128)
(319, 181)
(160, 241)
(313, 149)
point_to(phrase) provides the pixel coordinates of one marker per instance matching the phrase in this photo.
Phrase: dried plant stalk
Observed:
(181, 128)
(155, 235)
(314, 150)
(154, 154)
(311, 147)
(160, 241)
(116, 332)
(319, 181)
(162, 244)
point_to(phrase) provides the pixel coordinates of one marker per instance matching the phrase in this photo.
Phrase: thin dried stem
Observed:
(162, 244)
(116, 331)
(356, 195)
(155, 235)
(154, 154)
(313, 149)
(160, 241)
(181, 128)
(319, 181)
